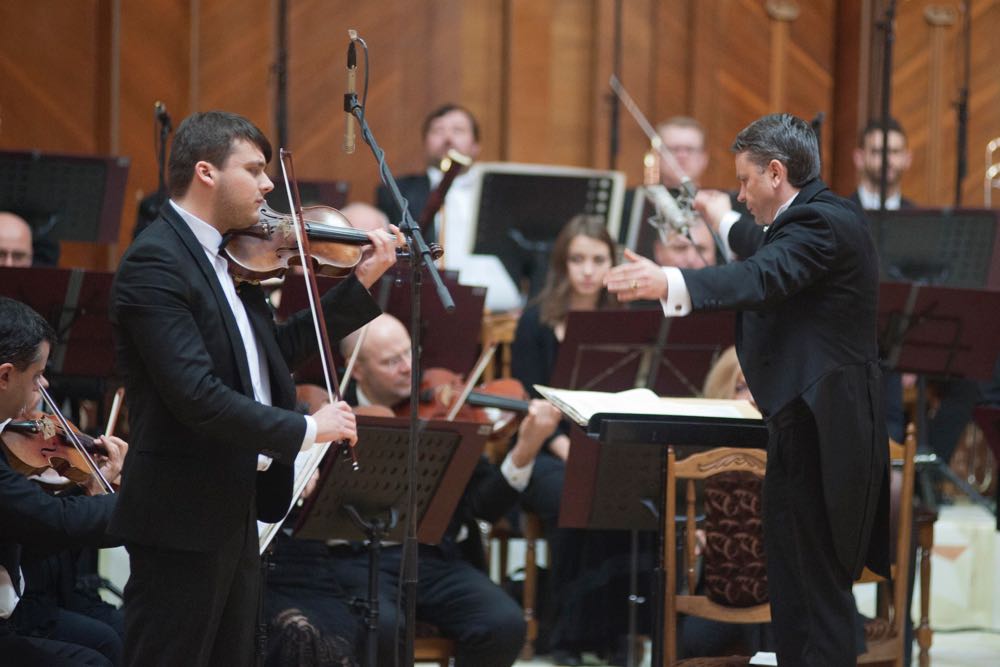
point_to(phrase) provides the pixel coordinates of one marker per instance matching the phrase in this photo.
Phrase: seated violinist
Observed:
(454, 592)
(31, 519)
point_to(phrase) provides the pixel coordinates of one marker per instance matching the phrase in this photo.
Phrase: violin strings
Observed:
(71, 435)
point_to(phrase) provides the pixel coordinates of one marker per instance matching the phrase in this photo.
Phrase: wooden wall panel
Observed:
(53, 65)
(82, 77)
(927, 74)
(154, 62)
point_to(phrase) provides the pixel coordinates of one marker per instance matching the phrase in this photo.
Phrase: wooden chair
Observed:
(925, 544)
(434, 649)
(499, 328)
(531, 531)
(701, 467)
(886, 633)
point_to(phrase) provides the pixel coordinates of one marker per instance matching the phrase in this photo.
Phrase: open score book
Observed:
(580, 406)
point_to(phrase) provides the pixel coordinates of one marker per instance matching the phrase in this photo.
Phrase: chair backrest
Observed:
(895, 609)
(734, 564)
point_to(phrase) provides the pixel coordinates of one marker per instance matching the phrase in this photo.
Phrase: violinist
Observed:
(211, 401)
(453, 127)
(31, 519)
(454, 592)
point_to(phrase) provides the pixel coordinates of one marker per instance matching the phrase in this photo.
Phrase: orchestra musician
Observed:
(806, 294)
(448, 127)
(31, 519)
(576, 616)
(454, 592)
(15, 240)
(207, 373)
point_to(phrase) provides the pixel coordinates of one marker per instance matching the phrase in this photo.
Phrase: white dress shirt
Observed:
(678, 301)
(210, 239)
(871, 201)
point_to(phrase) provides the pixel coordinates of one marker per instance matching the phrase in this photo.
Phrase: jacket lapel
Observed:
(282, 388)
(207, 271)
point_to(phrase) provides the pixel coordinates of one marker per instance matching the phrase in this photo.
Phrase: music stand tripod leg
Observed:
(374, 530)
(927, 461)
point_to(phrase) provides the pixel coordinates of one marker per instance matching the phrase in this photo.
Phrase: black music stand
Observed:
(65, 197)
(325, 193)
(449, 340)
(947, 247)
(371, 503)
(614, 350)
(945, 332)
(616, 477)
(75, 303)
(521, 208)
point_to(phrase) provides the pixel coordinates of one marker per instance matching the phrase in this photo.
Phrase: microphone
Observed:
(668, 211)
(161, 115)
(349, 96)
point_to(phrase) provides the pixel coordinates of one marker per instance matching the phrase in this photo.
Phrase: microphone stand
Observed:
(888, 25)
(962, 109)
(420, 256)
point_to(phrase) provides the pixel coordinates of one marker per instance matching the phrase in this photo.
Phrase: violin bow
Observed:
(477, 370)
(75, 441)
(116, 406)
(354, 358)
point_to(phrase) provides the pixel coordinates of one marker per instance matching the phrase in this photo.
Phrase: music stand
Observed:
(65, 197)
(949, 247)
(616, 475)
(325, 193)
(371, 504)
(449, 340)
(75, 303)
(520, 209)
(942, 331)
(614, 350)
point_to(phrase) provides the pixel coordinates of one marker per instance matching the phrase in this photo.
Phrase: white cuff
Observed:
(678, 301)
(310, 439)
(726, 224)
(518, 478)
(263, 462)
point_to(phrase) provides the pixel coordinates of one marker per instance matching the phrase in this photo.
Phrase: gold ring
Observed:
(635, 284)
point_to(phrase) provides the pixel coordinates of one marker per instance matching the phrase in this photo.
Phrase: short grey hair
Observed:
(785, 138)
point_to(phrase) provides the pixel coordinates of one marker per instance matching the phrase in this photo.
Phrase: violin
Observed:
(268, 248)
(498, 402)
(41, 442)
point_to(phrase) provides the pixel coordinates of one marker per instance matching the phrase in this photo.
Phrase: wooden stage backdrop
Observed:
(81, 76)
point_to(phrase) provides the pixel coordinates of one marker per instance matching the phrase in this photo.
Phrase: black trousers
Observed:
(35, 651)
(486, 624)
(813, 614)
(193, 608)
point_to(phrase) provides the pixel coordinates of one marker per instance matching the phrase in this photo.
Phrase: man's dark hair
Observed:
(209, 136)
(875, 125)
(785, 138)
(446, 109)
(22, 330)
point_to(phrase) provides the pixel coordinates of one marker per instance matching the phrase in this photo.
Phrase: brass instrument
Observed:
(992, 178)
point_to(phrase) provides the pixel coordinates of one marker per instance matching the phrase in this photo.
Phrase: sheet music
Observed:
(580, 406)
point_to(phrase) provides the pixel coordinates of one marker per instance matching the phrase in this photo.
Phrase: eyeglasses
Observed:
(14, 256)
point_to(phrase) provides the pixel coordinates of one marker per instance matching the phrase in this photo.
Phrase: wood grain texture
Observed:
(534, 73)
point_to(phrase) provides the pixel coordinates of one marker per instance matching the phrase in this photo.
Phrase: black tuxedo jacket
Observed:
(190, 477)
(416, 189)
(36, 520)
(807, 293)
